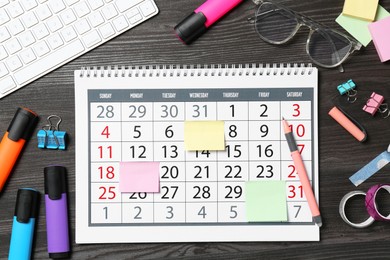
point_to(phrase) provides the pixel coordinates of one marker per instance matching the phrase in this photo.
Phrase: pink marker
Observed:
(302, 174)
(202, 18)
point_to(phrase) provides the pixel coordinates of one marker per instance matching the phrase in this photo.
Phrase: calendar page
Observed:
(139, 115)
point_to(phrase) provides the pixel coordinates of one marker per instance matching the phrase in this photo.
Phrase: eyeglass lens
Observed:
(277, 25)
(327, 47)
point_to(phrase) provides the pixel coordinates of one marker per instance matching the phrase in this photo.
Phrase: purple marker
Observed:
(56, 212)
(202, 18)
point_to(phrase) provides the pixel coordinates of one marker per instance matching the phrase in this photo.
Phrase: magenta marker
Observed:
(202, 18)
(56, 212)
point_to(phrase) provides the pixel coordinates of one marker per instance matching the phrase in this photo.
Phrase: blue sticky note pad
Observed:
(370, 169)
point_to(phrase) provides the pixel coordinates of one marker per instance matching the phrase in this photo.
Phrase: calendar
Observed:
(137, 114)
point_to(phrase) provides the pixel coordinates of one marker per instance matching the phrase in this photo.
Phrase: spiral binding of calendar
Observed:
(197, 70)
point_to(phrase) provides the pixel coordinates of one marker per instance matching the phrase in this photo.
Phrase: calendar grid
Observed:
(211, 199)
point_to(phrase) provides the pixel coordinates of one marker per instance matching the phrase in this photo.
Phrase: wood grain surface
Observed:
(230, 41)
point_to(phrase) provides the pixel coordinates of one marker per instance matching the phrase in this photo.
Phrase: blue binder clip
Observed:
(50, 136)
(349, 89)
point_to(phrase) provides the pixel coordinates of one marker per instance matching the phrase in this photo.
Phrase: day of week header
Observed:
(230, 94)
(294, 94)
(168, 95)
(105, 95)
(264, 94)
(199, 95)
(136, 95)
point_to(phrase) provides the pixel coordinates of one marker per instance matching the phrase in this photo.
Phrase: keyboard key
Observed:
(124, 5)
(60, 56)
(135, 18)
(14, 9)
(3, 70)
(27, 55)
(91, 39)
(6, 85)
(43, 12)
(71, 2)
(41, 48)
(15, 27)
(132, 12)
(106, 30)
(54, 24)
(13, 46)
(29, 19)
(14, 63)
(147, 8)
(3, 17)
(120, 23)
(82, 9)
(3, 53)
(109, 11)
(82, 26)
(68, 33)
(56, 5)
(27, 38)
(55, 41)
(95, 19)
(68, 16)
(29, 4)
(3, 2)
(95, 4)
(40, 31)
(4, 34)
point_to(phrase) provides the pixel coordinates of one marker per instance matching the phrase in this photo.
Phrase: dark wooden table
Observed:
(230, 41)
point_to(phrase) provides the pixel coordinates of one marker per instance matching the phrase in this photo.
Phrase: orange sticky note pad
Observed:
(362, 9)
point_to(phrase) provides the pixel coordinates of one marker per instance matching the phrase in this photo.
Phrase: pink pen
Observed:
(202, 18)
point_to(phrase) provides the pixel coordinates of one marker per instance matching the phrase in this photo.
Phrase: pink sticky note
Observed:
(139, 176)
(381, 37)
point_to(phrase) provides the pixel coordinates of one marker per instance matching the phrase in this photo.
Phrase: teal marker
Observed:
(26, 211)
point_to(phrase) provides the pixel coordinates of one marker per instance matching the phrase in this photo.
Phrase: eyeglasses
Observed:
(326, 47)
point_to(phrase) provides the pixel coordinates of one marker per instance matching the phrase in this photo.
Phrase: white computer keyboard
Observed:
(37, 36)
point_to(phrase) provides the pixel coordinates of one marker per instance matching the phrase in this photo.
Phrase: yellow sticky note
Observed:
(204, 135)
(362, 9)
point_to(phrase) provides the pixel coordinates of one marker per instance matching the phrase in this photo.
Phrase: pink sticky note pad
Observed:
(373, 103)
(139, 177)
(380, 33)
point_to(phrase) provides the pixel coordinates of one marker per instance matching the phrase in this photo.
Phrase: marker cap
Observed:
(22, 124)
(56, 212)
(191, 27)
(55, 181)
(26, 206)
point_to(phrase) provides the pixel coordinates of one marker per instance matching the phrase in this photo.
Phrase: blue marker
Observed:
(26, 211)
